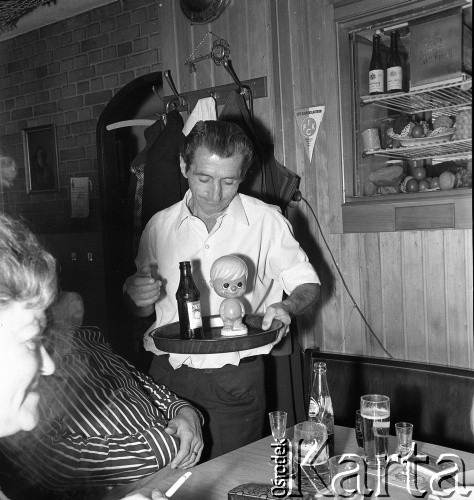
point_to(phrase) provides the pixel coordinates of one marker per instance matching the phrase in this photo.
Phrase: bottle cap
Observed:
(319, 366)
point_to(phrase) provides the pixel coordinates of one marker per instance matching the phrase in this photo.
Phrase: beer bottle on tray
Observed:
(376, 69)
(394, 65)
(320, 404)
(189, 307)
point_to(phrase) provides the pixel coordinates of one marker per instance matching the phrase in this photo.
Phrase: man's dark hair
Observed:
(224, 139)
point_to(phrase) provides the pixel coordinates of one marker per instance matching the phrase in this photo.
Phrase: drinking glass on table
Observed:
(310, 453)
(278, 424)
(375, 412)
(404, 431)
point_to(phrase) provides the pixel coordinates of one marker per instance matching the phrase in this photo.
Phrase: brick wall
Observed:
(64, 74)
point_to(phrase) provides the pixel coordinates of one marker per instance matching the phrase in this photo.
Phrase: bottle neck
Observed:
(185, 269)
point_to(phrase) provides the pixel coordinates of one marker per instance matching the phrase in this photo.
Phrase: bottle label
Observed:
(194, 314)
(313, 408)
(394, 78)
(376, 81)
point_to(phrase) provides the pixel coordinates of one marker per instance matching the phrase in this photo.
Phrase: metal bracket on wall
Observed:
(220, 93)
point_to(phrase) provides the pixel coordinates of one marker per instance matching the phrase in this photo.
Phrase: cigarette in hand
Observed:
(177, 484)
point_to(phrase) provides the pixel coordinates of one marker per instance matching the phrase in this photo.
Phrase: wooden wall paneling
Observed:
(352, 330)
(435, 299)
(391, 287)
(204, 76)
(260, 59)
(456, 306)
(469, 294)
(371, 299)
(414, 325)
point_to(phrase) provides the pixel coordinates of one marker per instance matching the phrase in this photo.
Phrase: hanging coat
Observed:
(164, 184)
(266, 179)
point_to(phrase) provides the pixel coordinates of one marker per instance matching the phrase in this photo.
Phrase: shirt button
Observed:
(206, 246)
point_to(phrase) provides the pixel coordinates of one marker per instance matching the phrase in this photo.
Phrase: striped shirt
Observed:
(102, 422)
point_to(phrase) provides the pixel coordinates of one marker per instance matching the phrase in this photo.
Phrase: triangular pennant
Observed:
(307, 122)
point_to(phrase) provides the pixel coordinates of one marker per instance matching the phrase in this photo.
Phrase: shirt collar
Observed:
(235, 210)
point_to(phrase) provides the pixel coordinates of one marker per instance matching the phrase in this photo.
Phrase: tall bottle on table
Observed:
(189, 305)
(320, 404)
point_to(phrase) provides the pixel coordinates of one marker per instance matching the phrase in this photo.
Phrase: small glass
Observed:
(278, 424)
(359, 429)
(404, 431)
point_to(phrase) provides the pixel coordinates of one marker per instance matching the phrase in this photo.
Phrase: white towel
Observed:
(205, 109)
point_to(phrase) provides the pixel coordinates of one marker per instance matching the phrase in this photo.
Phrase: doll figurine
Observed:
(229, 280)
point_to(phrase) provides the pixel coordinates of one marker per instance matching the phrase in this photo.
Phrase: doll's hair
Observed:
(228, 267)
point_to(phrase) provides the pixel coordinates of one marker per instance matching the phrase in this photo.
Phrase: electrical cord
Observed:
(298, 196)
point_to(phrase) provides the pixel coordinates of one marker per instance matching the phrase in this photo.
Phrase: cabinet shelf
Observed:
(451, 150)
(440, 97)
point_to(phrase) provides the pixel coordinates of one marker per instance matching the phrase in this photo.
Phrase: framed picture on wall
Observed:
(41, 159)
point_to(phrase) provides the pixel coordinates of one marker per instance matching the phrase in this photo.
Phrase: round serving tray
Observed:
(167, 337)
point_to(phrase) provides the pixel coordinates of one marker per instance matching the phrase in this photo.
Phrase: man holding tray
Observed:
(211, 221)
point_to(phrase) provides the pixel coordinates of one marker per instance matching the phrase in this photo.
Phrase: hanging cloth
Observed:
(267, 179)
(164, 184)
(137, 168)
(205, 109)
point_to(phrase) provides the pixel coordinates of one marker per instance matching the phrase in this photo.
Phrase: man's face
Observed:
(22, 360)
(213, 182)
(230, 288)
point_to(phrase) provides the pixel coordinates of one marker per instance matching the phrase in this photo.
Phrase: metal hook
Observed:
(182, 100)
(243, 89)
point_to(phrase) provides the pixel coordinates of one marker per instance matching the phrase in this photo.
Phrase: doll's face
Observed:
(228, 288)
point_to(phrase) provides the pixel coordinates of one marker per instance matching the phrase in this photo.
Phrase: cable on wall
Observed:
(344, 282)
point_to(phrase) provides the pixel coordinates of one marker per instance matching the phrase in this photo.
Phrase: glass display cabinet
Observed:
(377, 192)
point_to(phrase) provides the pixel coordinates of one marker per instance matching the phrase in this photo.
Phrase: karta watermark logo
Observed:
(295, 467)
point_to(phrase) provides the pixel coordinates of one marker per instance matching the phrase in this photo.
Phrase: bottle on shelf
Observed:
(189, 306)
(320, 404)
(376, 69)
(394, 66)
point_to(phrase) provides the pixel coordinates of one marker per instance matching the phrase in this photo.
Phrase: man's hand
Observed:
(143, 290)
(302, 297)
(277, 311)
(187, 427)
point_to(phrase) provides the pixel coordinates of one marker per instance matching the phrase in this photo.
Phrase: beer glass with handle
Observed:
(375, 412)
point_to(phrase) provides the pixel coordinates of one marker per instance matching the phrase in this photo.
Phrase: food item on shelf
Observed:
(447, 180)
(443, 121)
(403, 185)
(401, 121)
(423, 185)
(463, 177)
(419, 173)
(434, 183)
(407, 130)
(439, 131)
(463, 125)
(418, 131)
(387, 176)
(412, 186)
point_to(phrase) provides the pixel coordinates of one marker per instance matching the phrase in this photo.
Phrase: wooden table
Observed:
(252, 464)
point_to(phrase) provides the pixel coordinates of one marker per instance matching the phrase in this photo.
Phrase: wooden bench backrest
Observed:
(436, 399)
